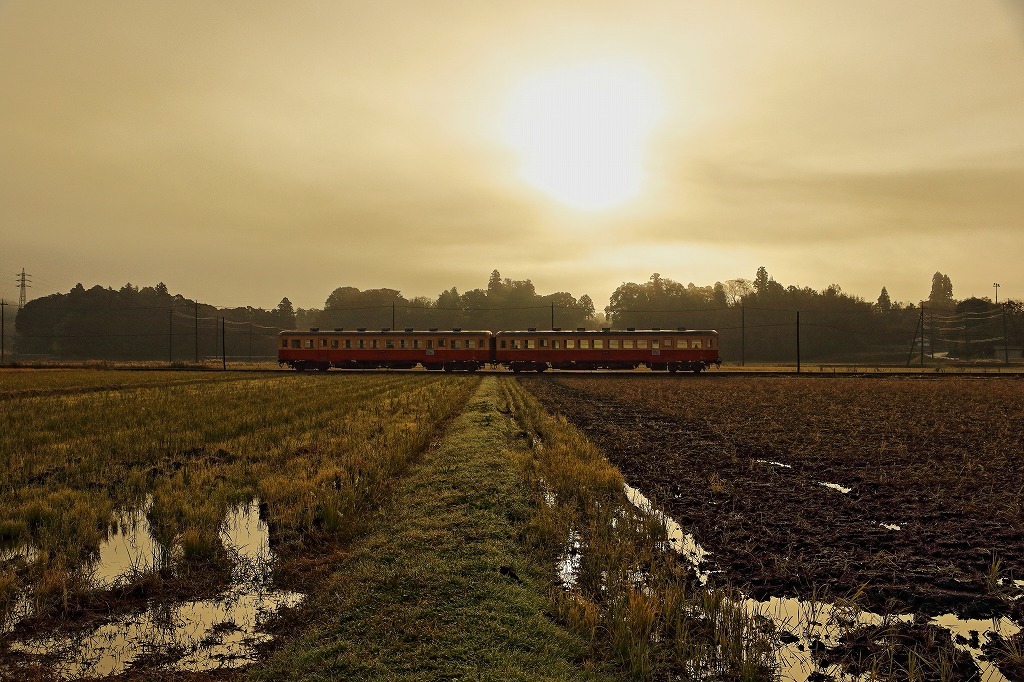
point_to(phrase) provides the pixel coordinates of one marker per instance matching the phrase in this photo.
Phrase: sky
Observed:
(241, 152)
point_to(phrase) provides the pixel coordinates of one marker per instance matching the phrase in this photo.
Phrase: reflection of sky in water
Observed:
(810, 620)
(204, 635)
(129, 551)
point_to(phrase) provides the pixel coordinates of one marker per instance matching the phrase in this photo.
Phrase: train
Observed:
(675, 350)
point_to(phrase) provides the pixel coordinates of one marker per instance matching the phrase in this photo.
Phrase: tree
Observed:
(941, 295)
(284, 314)
(884, 302)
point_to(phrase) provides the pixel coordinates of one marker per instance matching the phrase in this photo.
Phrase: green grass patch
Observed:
(442, 587)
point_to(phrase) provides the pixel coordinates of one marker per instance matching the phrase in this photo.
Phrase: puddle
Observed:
(568, 565)
(129, 552)
(196, 636)
(802, 626)
(774, 463)
(684, 543)
(836, 486)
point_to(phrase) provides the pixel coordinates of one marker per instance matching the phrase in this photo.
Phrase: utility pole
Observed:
(552, 317)
(743, 336)
(3, 306)
(23, 283)
(798, 342)
(170, 335)
(250, 342)
(393, 316)
(922, 336)
(223, 346)
(197, 332)
(1006, 346)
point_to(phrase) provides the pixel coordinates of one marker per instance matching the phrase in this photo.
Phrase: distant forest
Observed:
(758, 319)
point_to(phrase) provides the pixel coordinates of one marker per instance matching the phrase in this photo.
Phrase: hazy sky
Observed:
(245, 151)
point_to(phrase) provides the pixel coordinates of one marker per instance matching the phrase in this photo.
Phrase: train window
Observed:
(627, 343)
(456, 343)
(296, 343)
(348, 343)
(334, 343)
(284, 343)
(374, 343)
(309, 343)
(543, 343)
(681, 343)
(470, 343)
(323, 343)
(362, 343)
(389, 343)
(641, 343)
(502, 344)
(613, 343)
(430, 343)
(584, 343)
(598, 343)
(570, 343)
(666, 343)
(415, 343)
(655, 343)
(711, 342)
(554, 344)
(440, 343)
(696, 343)
(531, 343)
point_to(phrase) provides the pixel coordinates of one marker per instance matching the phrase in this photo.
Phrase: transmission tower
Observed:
(23, 283)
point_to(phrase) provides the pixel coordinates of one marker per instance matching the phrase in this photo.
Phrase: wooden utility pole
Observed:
(1006, 342)
(743, 336)
(922, 336)
(197, 332)
(170, 335)
(223, 347)
(798, 342)
(393, 327)
(3, 307)
(552, 317)
(250, 342)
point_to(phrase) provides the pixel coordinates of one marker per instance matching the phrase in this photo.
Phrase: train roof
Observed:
(312, 331)
(606, 330)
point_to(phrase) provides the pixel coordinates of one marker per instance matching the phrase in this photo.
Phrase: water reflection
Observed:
(202, 635)
(129, 551)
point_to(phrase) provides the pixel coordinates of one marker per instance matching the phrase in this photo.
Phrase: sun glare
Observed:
(581, 132)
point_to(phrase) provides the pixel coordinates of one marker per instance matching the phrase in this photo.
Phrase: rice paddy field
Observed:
(404, 525)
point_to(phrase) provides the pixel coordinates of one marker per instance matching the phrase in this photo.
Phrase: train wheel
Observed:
(323, 367)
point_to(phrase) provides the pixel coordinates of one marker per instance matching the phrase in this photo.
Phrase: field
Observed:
(405, 525)
(904, 492)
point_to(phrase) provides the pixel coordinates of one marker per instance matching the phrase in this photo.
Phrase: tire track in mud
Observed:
(777, 531)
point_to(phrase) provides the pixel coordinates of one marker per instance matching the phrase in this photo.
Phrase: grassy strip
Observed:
(441, 588)
(632, 599)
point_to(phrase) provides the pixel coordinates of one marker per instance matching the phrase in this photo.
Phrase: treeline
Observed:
(763, 320)
(758, 320)
(142, 324)
(504, 304)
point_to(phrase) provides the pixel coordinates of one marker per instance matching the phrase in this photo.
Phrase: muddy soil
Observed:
(778, 531)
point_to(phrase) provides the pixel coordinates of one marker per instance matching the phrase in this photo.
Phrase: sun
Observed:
(581, 132)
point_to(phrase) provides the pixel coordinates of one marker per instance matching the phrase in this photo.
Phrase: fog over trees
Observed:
(757, 319)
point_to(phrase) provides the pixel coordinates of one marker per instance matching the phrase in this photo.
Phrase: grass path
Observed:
(442, 589)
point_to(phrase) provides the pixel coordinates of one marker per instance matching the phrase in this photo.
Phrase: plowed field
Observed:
(923, 507)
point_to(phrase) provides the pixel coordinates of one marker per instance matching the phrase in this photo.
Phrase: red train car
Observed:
(677, 350)
(387, 348)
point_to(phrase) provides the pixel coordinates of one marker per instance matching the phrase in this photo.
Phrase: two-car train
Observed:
(675, 350)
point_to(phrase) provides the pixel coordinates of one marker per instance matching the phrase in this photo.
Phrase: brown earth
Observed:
(776, 531)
